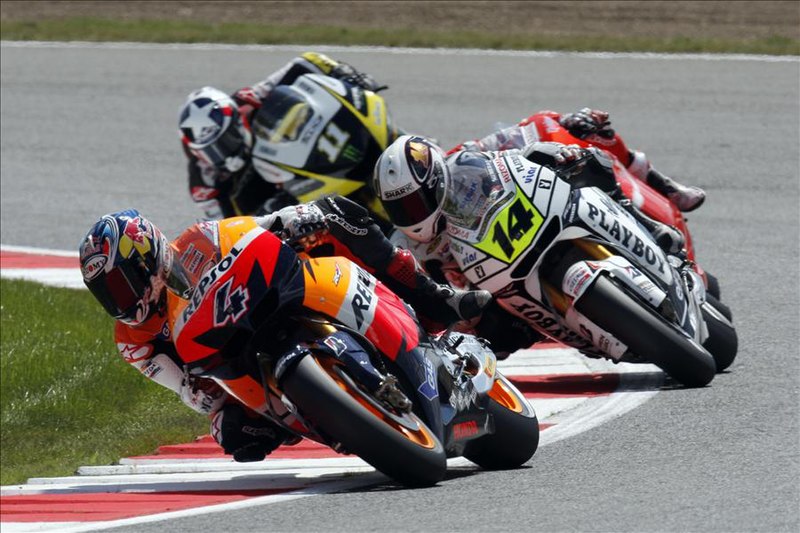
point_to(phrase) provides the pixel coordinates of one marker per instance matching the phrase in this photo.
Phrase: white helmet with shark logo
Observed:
(411, 180)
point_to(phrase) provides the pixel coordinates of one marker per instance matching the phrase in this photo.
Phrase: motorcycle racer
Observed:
(130, 267)
(424, 191)
(215, 131)
(589, 127)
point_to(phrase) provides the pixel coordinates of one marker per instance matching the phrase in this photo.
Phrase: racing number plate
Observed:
(512, 230)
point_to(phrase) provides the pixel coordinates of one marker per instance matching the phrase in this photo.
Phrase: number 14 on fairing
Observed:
(513, 230)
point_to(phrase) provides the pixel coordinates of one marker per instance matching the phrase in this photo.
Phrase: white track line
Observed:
(37, 251)
(69, 278)
(393, 50)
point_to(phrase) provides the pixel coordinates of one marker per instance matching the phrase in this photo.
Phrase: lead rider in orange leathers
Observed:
(129, 266)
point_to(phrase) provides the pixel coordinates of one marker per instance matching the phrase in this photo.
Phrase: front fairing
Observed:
(256, 279)
(343, 132)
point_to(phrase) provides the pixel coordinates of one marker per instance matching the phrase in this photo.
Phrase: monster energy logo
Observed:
(352, 153)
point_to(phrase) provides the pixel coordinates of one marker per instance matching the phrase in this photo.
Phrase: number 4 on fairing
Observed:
(230, 305)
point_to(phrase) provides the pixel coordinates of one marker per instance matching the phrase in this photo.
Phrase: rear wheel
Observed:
(712, 285)
(516, 430)
(646, 334)
(398, 444)
(722, 342)
(719, 306)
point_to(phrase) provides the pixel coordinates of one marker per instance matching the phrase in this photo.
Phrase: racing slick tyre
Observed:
(722, 342)
(719, 306)
(516, 430)
(712, 286)
(646, 334)
(396, 443)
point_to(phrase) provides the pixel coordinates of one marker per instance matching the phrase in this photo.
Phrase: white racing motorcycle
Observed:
(557, 251)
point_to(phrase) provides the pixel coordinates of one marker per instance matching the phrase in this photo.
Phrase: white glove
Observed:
(547, 153)
(202, 394)
(296, 222)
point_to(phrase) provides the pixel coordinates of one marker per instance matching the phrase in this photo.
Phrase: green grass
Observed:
(68, 399)
(95, 29)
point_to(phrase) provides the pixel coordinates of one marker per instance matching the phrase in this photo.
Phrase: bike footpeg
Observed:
(389, 392)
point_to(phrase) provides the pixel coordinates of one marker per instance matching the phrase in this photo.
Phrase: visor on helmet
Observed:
(224, 152)
(414, 208)
(120, 290)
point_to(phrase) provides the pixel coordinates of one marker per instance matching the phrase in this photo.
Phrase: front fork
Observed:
(561, 301)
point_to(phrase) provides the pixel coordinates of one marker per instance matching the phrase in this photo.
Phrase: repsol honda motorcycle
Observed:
(316, 137)
(331, 354)
(557, 251)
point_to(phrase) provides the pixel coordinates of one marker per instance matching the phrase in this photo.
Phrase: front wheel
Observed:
(398, 444)
(516, 430)
(645, 333)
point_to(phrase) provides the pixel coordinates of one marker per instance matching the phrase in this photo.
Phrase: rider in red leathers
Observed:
(587, 127)
(215, 132)
(129, 266)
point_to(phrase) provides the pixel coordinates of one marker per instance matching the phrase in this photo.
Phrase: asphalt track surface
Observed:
(90, 130)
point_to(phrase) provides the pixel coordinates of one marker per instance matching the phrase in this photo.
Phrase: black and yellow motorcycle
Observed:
(316, 137)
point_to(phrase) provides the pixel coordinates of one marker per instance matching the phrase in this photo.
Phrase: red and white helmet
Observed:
(213, 129)
(411, 179)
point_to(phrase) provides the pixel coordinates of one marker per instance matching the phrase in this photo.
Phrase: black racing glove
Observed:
(246, 435)
(588, 122)
(347, 73)
(466, 304)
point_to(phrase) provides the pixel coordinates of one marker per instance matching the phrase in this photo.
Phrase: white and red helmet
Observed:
(411, 180)
(213, 129)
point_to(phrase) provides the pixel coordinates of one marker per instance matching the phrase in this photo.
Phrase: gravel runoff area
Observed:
(738, 20)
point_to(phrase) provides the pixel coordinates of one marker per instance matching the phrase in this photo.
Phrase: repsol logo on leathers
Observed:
(207, 280)
(627, 238)
(362, 300)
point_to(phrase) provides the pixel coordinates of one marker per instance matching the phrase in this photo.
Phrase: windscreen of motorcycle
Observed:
(283, 116)
(474, 187)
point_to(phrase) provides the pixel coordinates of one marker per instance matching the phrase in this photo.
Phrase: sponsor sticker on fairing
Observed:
(336, 345)
(576, 279)
(464, 430)
(428, 388)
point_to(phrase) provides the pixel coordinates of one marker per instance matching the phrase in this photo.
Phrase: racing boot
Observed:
(686, 198)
